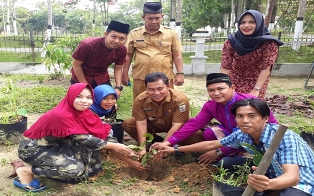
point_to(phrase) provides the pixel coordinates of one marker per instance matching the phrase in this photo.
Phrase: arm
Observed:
(77, 68)
(261, 80)
(179, 78)
(197, 147)
(226, 58)
(224, 70)
(289, 178)
(141, 127)
(89, 141)
(175, 127)
(118, 77)
(126, 67)
(131, 162)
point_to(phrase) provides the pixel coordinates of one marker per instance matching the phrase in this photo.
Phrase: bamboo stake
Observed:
(266, 159)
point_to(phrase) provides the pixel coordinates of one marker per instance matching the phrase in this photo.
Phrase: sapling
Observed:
(147, 158)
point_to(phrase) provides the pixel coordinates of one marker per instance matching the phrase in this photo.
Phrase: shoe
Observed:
(35, 184)
(16, 164)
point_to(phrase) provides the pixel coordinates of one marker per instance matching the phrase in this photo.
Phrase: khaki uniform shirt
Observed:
(153, 52)
(174, 109)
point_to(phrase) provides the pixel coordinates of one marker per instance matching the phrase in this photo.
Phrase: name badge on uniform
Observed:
(182, 107)
(139, 40)
(147, 109)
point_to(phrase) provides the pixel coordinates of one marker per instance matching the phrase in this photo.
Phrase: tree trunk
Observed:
(14, 18)
(49, 27)
(273, 16)
(269, 11)
(8, 32)
(94, 17)
(173, 9)
(297, 38)
(179, 18)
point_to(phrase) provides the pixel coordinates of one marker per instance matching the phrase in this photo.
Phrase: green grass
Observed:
(286, 55)
(39, 99)
(22, 57)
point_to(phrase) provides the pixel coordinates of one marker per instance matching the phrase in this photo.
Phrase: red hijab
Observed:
(65, 120)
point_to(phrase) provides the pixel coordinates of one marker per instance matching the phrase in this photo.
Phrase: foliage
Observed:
(147, 158)
(200, 13)
(257, 155)
(237, 179)
(10, 112)
(287, 11)
(58, 55)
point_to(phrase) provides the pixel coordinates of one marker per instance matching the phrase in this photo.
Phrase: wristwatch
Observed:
(218, 152)
(176, 149)
(120, 88)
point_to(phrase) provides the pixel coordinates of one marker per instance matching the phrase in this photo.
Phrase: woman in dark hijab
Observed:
(248, 55)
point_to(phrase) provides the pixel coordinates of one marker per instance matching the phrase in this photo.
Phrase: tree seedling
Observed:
(147, 158)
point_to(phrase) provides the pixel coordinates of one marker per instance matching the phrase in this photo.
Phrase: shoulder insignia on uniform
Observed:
(182, 107)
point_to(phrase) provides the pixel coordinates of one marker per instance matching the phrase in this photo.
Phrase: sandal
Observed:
(34, 185)
(16, 164)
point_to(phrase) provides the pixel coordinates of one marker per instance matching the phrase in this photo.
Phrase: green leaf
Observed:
(135, 148)
(21, 112)
(150, 137)
(144, 160)
(257, 157)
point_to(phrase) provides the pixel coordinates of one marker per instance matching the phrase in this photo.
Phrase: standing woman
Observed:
(64, 143)
(249, 54)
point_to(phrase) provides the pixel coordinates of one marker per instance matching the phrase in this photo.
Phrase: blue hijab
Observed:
(101, 92)
(246, 44)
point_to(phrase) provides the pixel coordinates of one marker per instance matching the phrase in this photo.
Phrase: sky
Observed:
(30, 4)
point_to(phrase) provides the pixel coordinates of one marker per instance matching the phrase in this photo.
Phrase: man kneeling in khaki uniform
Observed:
(157, 110)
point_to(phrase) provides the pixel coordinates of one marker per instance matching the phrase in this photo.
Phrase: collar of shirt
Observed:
(233, 100)
(161, 29)
(268, 133)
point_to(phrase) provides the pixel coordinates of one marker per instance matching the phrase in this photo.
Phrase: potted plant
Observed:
(116, 125)
(13, 120)
(234, 184)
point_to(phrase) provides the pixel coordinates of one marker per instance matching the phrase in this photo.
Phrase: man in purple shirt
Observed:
(222, 96)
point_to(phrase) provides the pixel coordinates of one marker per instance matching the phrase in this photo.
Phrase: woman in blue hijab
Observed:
(249, 54)
(104, 106)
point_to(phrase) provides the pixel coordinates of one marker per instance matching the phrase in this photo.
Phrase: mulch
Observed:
(292, 105)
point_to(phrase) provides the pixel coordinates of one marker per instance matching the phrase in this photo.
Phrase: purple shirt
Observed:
(210, 110)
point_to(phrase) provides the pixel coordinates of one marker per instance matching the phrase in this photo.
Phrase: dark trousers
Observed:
(230, 162)
(93, 83)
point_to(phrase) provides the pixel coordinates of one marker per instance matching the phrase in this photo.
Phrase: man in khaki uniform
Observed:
(156, 48)
(159, 109)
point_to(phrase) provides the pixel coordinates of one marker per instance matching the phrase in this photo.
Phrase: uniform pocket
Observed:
(166, 47)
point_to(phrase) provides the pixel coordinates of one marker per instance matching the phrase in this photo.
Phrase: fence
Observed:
(22, 44)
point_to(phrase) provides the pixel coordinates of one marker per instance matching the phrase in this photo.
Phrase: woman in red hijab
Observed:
(64, 143)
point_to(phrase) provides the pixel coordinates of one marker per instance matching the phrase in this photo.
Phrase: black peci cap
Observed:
(216, 78)
(152, 7)
(119, 27)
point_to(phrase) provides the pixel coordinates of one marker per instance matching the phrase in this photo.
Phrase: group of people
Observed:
(64, 143)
